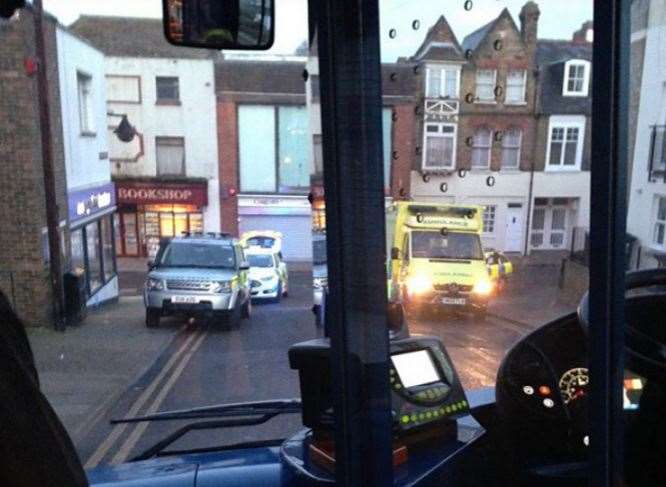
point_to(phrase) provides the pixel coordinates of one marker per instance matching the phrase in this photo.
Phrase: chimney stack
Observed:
(529, 22)
(585, 33)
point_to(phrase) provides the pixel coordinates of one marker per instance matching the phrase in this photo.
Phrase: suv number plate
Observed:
(457, 301)
(184, 299)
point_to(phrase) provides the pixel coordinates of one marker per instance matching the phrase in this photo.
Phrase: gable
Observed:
(502, 29)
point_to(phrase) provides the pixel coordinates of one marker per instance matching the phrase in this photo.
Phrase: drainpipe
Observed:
(531, 188)
(52, 211)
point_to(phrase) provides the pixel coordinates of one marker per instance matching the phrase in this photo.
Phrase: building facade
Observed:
(166, 179)
(646, 218)
(90, 192)
(493, 114)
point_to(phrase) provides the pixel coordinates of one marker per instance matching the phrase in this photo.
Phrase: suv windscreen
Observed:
(260, 260)
(434, 245)
(179, 254)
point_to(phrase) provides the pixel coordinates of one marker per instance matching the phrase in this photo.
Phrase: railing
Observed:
(441, 110)
(657, 157)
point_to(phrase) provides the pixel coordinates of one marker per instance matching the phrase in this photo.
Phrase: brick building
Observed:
(488, 103)
(83, 193)
(24, 256)
(265, 185)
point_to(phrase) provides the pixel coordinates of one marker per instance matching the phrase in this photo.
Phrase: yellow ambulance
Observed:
(436, 259)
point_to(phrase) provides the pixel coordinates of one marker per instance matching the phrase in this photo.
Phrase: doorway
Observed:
(514, 228)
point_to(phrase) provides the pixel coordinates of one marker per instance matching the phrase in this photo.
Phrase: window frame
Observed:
(442, 68)
(163, 138)
(565, 122)
(656, 221)
(489, 210)
(492, 99)
(84, 91)
(518, 147)
(523, 100)
(567, 77)
(488, 147)
(453, 135)
(167, 101)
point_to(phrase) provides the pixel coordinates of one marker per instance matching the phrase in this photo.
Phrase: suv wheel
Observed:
(153, 317)
(246, 309)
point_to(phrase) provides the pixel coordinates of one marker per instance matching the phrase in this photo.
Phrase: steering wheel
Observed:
(645, 338)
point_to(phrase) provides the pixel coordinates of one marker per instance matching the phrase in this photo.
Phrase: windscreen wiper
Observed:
(240, 409)
(237, 414)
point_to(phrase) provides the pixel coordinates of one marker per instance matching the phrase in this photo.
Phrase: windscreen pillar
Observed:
(350, 83)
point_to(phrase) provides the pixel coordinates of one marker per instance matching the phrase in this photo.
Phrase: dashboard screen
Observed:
(415, 368)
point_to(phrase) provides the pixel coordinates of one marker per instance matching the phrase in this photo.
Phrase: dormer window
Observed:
(442, 82)
(576, 78)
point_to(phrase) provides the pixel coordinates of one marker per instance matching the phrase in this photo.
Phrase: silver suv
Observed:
(198, 275)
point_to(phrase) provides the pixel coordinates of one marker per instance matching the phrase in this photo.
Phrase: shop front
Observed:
(290, 215)
(91, 234)
(149, 211)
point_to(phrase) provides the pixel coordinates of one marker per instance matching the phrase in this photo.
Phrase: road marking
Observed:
(87, 425)
(130, 443)
(119, 429)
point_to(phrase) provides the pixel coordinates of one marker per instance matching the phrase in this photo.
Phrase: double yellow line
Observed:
(173, 368)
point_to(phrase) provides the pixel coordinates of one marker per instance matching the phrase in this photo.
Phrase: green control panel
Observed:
(425, 386)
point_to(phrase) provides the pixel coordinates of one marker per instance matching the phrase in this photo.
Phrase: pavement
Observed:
(85, 369)
(112, 366)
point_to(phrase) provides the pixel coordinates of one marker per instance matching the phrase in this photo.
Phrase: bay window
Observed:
(440, 146)
(442, 82)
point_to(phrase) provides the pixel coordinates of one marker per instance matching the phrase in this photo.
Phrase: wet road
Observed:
(205, 365)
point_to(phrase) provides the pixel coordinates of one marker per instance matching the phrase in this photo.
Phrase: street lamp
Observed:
(125, 131)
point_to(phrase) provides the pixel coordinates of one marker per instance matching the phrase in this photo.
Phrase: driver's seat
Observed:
(35, 449)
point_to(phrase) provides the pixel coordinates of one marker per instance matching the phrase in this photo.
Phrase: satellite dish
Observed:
(125, 131)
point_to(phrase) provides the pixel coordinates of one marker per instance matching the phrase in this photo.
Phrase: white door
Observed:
(514, 228)
(549, 225)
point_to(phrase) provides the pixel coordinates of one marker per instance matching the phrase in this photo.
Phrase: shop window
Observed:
(294, 149)
(489, 219)
(440, 146)
(515, 86)
(108, 256)
(659, 235)
(94, 257)
(86, 111)
(167, 89)
(170, 153)
(511, 148)
(485, 85)
(481, 146)
(78, 259)
(257, 161)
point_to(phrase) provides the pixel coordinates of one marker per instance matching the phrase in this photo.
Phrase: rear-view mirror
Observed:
(220, 24)
(395, 253)
(244, 266)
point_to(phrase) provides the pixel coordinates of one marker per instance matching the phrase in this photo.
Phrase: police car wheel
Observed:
(278, 296)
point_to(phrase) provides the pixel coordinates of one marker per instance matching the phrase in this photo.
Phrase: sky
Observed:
(559, 19)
